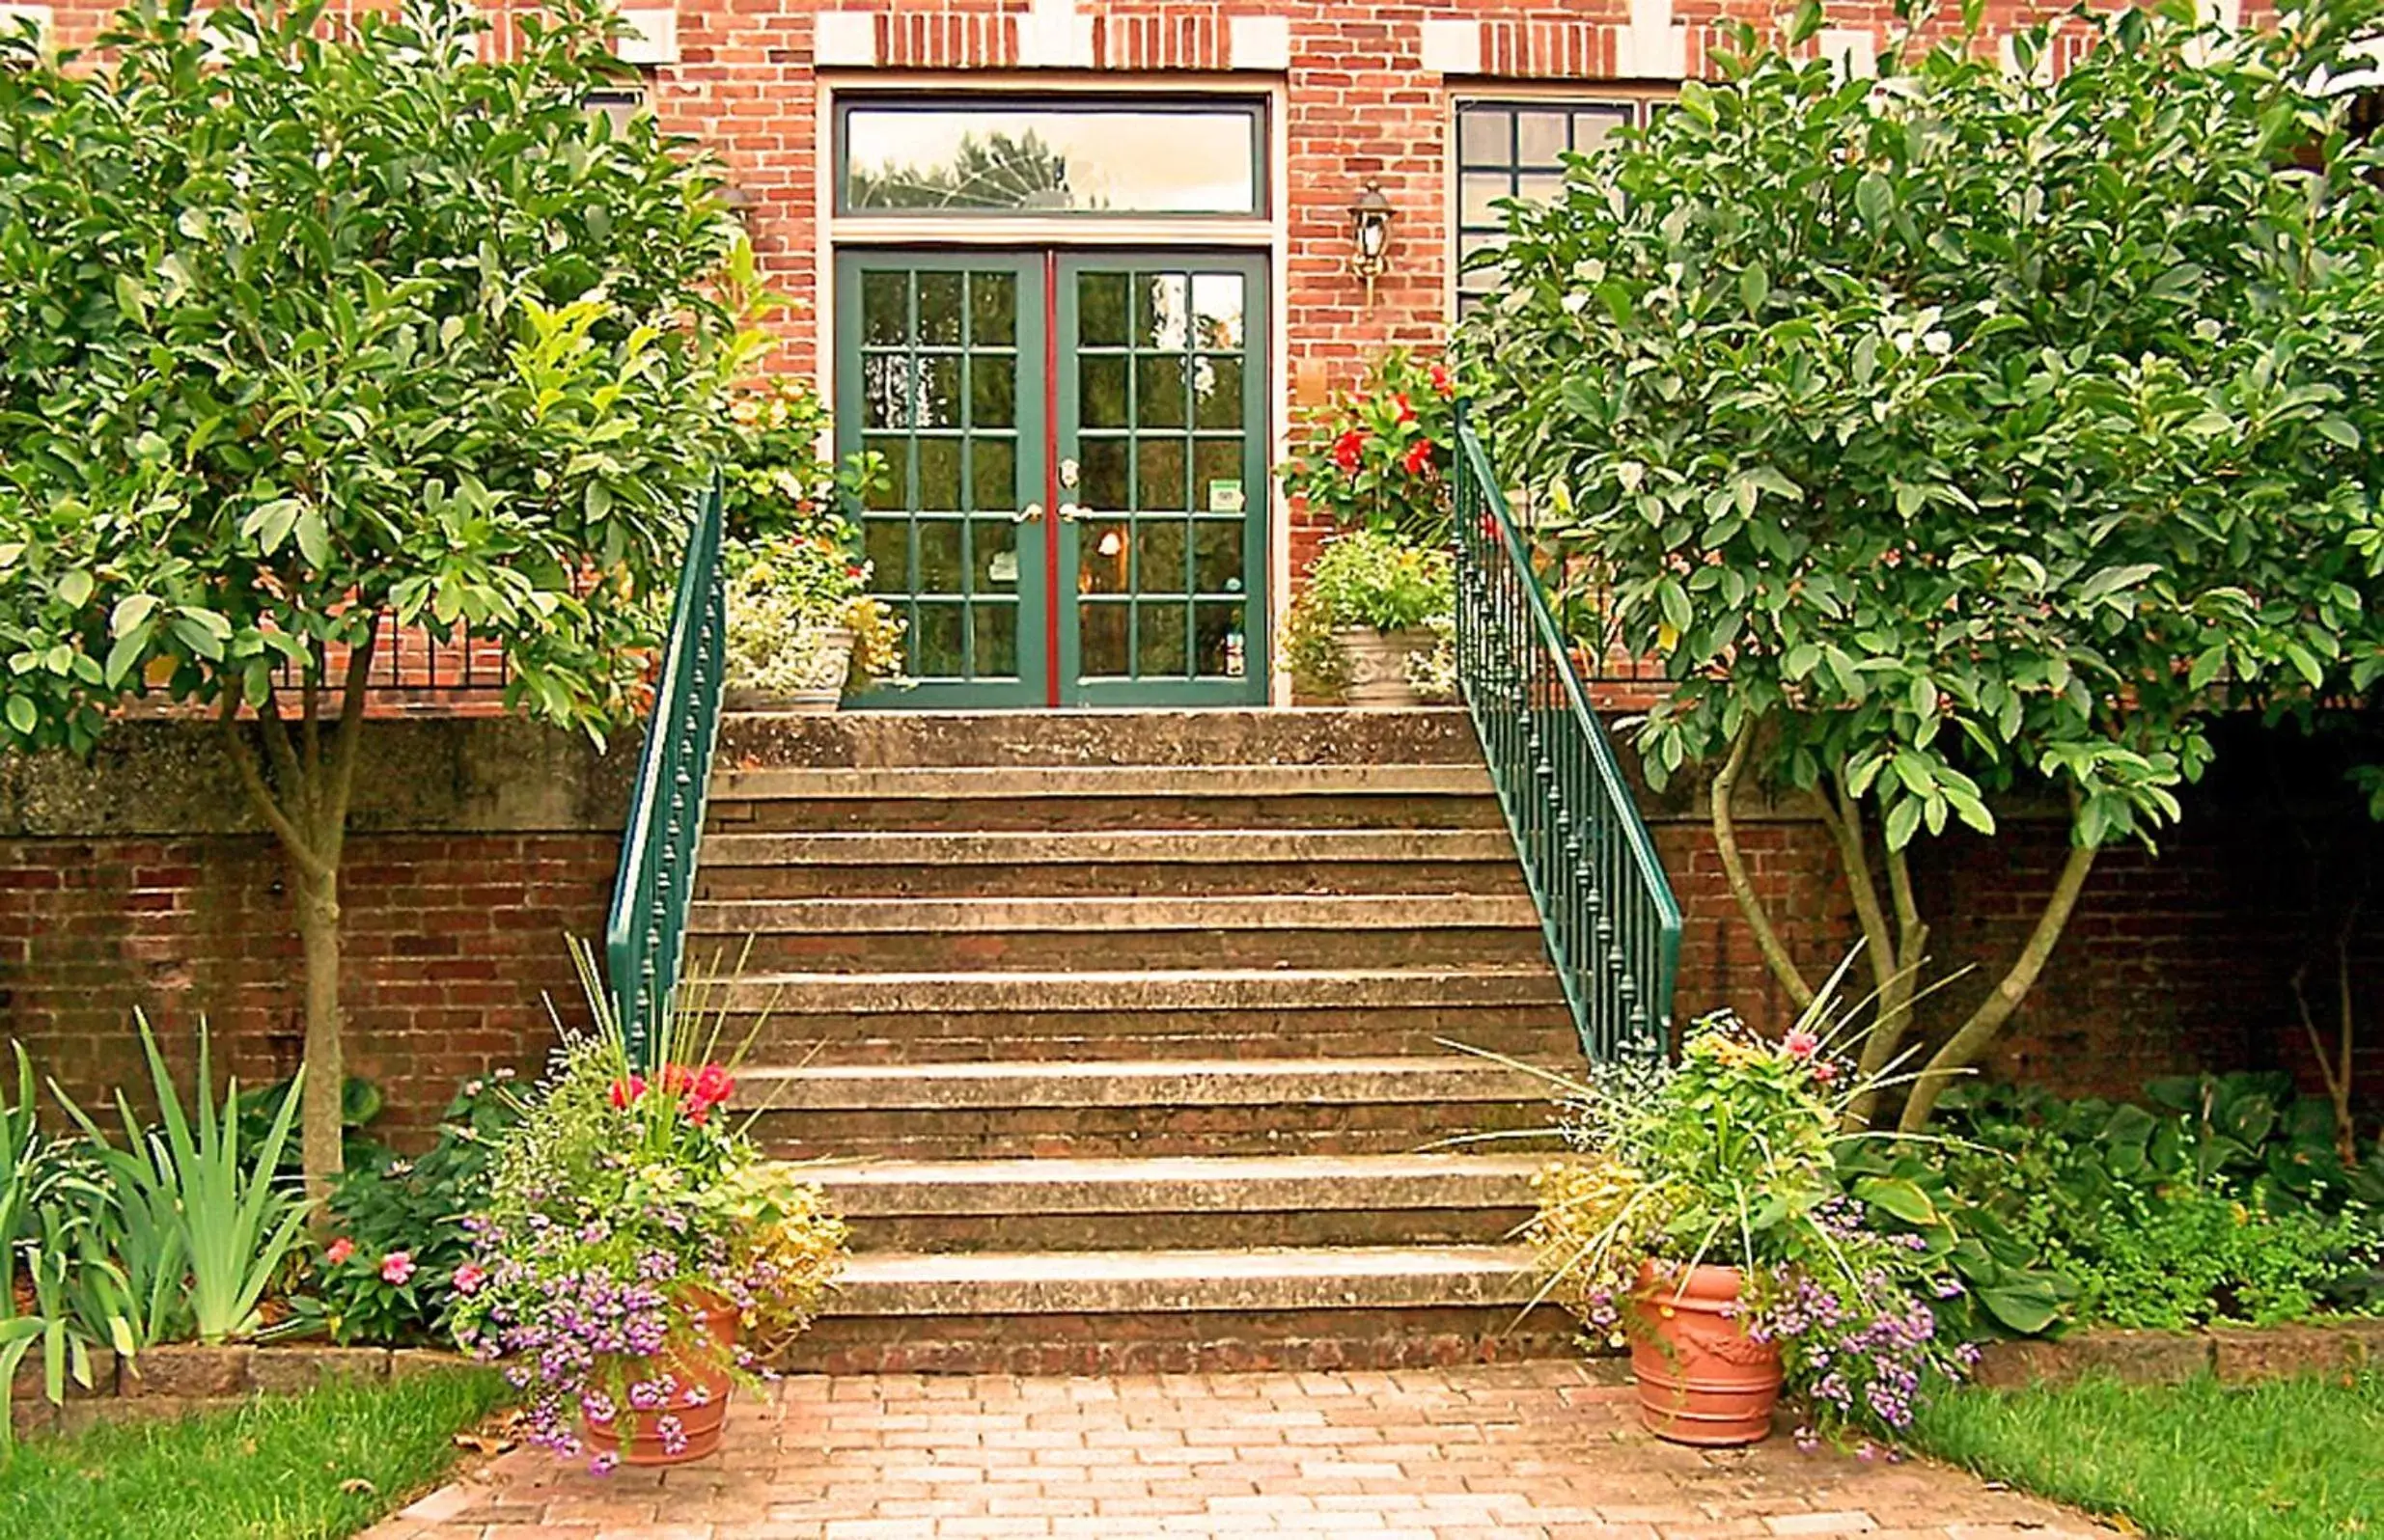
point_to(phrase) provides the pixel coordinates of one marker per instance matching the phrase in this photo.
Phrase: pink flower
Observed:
(625, 1091)
(395, 1268)
(1825, 1073)
(469, 1278)
(339, 1250)
(1801, 1044)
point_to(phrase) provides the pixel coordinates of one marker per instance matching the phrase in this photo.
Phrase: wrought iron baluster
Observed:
(1612, 923)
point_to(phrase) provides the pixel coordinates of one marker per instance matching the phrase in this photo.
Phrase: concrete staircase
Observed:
(1123, 1036)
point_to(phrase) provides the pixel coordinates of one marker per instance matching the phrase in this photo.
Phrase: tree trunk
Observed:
(1742, 887)
(322, 1104)
(306, 807)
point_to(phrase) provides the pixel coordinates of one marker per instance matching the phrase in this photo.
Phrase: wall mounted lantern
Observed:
(1370, 227)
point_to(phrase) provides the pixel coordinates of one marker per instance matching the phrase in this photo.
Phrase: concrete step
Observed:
(1274, 930)
(1206, 736)
(1044, 1015)
(1182, 1310)
(1158, 1106)
(1142, 863)
(1204, 1201)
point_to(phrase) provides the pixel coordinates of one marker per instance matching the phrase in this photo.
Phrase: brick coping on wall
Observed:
(179, 1378)
(2235, 1354)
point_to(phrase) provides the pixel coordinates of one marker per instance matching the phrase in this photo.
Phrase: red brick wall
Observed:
(477, 847)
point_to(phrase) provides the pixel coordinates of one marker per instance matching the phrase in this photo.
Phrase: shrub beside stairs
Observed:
(1122, 1035)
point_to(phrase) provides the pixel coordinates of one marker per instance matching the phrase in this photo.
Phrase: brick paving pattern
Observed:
(1543, 1449)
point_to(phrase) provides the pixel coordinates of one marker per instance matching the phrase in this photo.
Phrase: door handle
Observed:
(1029, 514)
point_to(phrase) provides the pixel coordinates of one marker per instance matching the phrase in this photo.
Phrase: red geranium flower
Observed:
(625, 1091)
(1441, 381)
(1419, 457)
(339, 1250)
(1406, 412)
(1349, 449)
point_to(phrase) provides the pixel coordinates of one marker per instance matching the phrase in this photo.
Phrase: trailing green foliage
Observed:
(321, 1465)
(1373, 578)
(1967, 434)
(2290, 1460)
(2226, 1199)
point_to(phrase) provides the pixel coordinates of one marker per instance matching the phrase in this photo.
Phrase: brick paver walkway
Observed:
(1534, 1450)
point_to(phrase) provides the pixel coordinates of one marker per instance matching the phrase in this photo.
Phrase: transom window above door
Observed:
(1083, 159)
(1517, 149)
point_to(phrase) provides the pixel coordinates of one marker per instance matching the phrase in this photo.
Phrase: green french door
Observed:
(1075, 510)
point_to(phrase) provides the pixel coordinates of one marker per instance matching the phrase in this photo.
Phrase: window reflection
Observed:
(1190, 160)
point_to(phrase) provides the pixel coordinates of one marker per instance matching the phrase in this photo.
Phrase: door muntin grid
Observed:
(946, 388)
(1162, 415)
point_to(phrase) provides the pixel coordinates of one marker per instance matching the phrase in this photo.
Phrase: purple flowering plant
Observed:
(624, 1209)
(1735, 1156)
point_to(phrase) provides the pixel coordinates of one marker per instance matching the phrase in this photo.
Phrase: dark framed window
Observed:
(1086, 157)
(620, 103)
(1517, 149)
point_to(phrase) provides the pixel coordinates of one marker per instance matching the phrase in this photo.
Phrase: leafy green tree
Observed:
(1966, 438)
(311, 324)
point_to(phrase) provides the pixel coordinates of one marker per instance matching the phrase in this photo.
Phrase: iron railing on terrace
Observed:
(646, 934)
(1612, 923)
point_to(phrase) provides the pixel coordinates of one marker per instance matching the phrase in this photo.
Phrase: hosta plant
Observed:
(625, 1214)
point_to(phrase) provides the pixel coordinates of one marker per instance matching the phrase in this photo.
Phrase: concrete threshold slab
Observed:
(1143, 1083)
(1179, 1184)
(1116, 1283)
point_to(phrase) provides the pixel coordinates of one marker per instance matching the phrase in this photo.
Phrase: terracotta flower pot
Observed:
(699, 1401)
(1378, 662)
(1702, 1379)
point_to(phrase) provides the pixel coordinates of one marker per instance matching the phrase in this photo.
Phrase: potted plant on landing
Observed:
(803, 626)
(637, 1255)
(1374, 620)
(1374, 616)
(1704, 1223)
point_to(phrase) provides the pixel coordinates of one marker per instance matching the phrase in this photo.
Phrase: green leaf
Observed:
(23, 715)
(1753, 288)
(1875, 198)
(2025, 1305)
(74, 588)
(1903, 1199)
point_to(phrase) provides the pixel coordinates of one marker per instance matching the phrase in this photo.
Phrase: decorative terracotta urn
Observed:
(1377, 664)
(1702, 1379)
(697, 1404)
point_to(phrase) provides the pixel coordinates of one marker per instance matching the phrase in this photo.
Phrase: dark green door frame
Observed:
(1080, 510)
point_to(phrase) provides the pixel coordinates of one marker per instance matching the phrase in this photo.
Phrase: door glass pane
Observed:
(1173, 533)
(1103, 626)
(1101, 307)
(1100, 385)
(939, 377)
(1094, 158)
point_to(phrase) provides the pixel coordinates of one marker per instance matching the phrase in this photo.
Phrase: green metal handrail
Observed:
(646, 930)
(1612, 923)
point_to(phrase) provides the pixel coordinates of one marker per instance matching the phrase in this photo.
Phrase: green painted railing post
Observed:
(1612, 923)
(646, 932)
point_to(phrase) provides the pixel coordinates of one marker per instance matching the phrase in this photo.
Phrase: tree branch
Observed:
(311, 696)
(260, 796)
(298, 787)
(1734, 870)
(1844, 822)
(1962, 1049)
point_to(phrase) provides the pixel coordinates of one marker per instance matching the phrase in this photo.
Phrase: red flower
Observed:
(1419, 457)
(625, 1091)
(1349, 449)
(676, 1080)
(339, 1250)
(1406, 412)
(1441, 381)
(713, 1085)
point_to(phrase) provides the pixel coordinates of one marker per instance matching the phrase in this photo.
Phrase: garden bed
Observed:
(169, 1381)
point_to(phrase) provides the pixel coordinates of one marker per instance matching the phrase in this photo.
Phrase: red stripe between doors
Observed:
(1051, 520)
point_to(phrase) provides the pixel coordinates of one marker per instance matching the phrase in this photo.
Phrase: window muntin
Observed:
(1517, 149)
(1079, 158)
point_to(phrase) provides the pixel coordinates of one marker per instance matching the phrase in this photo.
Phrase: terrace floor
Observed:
(1541, 1449)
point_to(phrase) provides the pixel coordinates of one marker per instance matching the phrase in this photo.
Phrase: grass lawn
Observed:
(2191, 1462)
(313, 1467)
